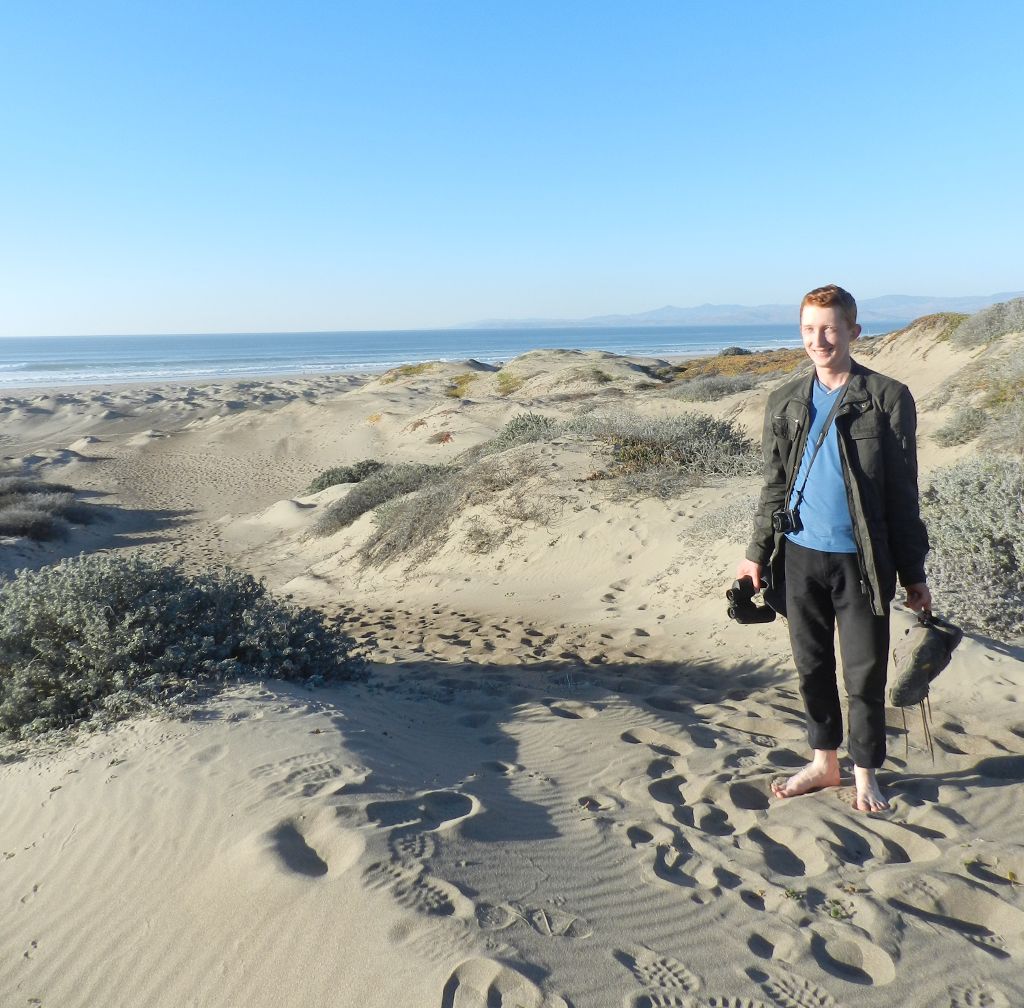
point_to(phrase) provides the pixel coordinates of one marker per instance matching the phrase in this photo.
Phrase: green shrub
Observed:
(522, 429)
(963, 426)
(991, 323)
(665, 456)
(734, 351)
(709, 388)
(380, 486)
(113, 635)
(344, 474)
(975, 516)
(27, 484)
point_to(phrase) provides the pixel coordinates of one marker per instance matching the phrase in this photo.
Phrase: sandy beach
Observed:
(553, 787)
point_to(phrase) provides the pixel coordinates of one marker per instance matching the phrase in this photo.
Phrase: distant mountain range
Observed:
(888, 308)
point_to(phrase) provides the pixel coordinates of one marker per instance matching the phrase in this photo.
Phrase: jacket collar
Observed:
(857, 391)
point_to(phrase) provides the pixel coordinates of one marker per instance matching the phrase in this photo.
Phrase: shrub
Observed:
(733, 351)
(419, 523)
(114, 635)
(712, 387)
(31, 522)
(963, 426)
(664, 456)
(975, 516)
(522, 429)
(380, 486)
(991, 323)
(344, 474)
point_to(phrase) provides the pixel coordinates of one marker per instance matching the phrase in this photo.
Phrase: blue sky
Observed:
(196, 167)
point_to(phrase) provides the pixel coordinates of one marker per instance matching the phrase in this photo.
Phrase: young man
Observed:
(840, 479)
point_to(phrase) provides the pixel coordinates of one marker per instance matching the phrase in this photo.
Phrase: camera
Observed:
(742, 606)
(787, 520)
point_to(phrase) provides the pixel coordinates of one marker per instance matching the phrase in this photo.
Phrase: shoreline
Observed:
(171, 385)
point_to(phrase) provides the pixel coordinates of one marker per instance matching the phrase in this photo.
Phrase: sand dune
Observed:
(553, 790)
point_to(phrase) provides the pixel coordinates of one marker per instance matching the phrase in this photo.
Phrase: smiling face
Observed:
(827, 336)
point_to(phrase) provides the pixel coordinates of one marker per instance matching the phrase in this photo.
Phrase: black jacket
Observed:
(876, 427)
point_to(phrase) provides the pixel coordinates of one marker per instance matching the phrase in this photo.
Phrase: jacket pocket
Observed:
(785, 427)
(866, 425)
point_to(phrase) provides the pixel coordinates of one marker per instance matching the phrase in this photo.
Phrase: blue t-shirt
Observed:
(824, 510)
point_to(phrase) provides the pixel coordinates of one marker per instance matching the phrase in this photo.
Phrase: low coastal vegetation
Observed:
(415, 505)
(963, 426)
(975, 516)
(406, 371)
(38, 509)
(106, 637)
(344, 474)
(458, 388)
(990, 324)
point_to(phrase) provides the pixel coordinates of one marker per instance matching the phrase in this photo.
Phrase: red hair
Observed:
(831, 295)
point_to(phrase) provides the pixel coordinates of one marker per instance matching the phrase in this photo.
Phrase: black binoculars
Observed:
(742, 606)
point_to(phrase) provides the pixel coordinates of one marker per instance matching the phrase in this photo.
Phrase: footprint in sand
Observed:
(308, 775)
(484, 983)
(572, 709)
(792, 990)
(410, 886)
(429, 811)
(978, 994)
(961, 905)
(667, 982)
(659, 742)
(547, 921)
(294, 852)
(846, 954)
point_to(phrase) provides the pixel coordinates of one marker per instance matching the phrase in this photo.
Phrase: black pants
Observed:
(821, 590)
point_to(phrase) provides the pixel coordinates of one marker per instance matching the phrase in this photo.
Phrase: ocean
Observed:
(45, 361)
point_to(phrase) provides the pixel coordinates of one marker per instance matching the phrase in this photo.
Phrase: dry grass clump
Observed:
(508, 382)
(110, 636)
(344, 474)
(975, 516)
(460, 385)
(38, 509)
(406, 371)
(418, 524)
(386, 483)
(963, 426)
(990, 324)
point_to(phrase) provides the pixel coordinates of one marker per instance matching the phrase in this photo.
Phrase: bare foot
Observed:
(869, 794)
(821, 772)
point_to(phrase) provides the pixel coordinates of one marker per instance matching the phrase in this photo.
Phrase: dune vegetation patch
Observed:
(666, 456)
(940, 326)
(458, 388)
(974, 511)
(344, 474)
(377, 488)
(990, 324)
(764, 364)
(106, 637)
(417, 525)
(406, 371)
(509, 382)
(963, 426)
(38, 509)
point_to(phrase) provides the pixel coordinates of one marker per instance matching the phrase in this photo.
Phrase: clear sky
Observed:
(205, 166)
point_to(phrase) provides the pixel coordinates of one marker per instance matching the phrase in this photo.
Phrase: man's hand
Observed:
(748, 568)
(919, 597)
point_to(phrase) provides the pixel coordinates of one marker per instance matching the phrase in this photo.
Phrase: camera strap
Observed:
(822, 434)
